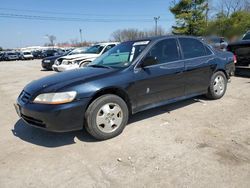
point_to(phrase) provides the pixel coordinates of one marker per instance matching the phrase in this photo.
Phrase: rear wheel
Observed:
(218, 86)
(106, 117)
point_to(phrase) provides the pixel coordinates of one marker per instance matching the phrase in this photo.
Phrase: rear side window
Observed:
(165, 51)
(208, 51)
(192, 48)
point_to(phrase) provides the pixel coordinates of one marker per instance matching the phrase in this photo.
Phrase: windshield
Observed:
(26, 53)
(11, 53)
(77, 51)
(122, 55)
(246, 36)
(96, 49)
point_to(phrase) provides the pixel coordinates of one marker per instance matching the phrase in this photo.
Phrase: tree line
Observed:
(227, 18)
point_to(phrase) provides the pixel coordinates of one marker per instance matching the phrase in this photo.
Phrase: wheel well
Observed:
(113, 91)
(223, 72)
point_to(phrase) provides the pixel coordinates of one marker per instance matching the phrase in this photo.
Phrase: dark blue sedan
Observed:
(131, 77)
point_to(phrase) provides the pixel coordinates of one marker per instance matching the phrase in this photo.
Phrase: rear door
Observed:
(158, 83)
(198, 66)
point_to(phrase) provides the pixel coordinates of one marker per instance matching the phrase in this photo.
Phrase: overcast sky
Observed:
(26, 22)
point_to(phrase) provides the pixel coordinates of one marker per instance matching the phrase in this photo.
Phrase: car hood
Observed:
(80, 56)
(64, 80)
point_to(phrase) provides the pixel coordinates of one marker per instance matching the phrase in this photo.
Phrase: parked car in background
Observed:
(129, 78)
(25, 55)
(73, 62)
(52, 52)
(1, 56)
(37, 54)
(12, 55)
(241, 49)
(218, 43)
(49, 61)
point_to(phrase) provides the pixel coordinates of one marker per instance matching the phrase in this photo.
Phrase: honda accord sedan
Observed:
(129, 78)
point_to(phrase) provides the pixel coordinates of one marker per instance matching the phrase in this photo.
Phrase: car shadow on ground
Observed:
(48, 139)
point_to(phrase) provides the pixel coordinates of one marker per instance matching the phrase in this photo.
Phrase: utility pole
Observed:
(80, 30)
(156, 24)
(207, 9)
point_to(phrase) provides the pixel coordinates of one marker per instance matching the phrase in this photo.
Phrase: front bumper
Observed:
(54, 118)
(48, 65)
(62, 68)
(230, 69)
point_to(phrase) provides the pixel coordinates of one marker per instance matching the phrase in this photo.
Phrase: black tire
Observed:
(212, 92)
(95, 108)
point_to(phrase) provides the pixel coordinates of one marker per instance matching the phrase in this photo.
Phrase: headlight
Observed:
(46, 61)
(65, 62)
(57, 62)
(55, 98)
(77, 61)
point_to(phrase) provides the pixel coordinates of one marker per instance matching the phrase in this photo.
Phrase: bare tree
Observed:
(132, 34)
(247, 5)
(228, 7)
(127, 34)
(52, 39)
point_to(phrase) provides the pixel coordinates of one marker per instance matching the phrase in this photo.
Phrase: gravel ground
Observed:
(193, 143)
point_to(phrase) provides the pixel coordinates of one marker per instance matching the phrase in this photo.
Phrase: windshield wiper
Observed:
(100, 66)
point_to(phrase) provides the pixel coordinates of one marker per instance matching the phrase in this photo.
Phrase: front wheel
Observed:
(106, 117)
(218, 86)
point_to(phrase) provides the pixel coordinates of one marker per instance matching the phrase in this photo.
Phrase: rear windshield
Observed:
(246, 36)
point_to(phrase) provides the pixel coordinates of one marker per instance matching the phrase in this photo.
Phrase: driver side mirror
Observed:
(148, 61)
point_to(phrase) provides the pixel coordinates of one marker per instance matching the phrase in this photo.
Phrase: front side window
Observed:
(165, 51)
(96, 49)
(121, 55)
(192, 48)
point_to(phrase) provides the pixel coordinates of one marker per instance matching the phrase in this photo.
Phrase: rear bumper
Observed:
(54, 118)
(230, 69)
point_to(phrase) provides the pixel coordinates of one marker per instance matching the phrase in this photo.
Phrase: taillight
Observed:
(235, 59)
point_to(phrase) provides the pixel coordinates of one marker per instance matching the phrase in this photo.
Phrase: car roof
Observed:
(162, 37)
(106, 43)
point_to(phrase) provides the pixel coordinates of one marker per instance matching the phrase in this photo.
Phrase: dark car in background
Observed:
(129, 78)
(52, 52)
(1, 56)
(241, 49)
(49, 61)
(38, 54)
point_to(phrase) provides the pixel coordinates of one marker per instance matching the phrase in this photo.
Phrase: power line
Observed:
(69, 19)
(75, 13)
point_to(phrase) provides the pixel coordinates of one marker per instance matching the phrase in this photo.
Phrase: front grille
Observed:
(25, 96)
(33, 121)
